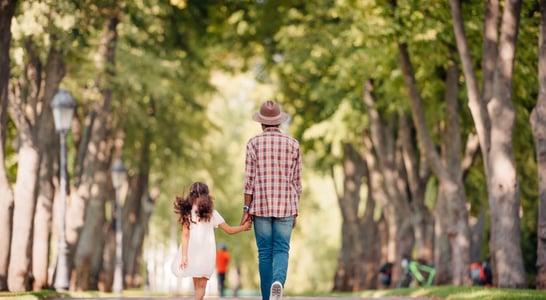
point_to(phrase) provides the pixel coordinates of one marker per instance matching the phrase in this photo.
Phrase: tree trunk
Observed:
(378, 244)
(133, 225)
(538, 123)
(418, 175)
(477, 229)
(507, 259)
(478, 111)
(390, 165)
(349, 276)
(95, 282)
(134, 274)
(494, 118)
(383, 237)
(88, 256)
(55, 71)
(95, 186)
(360, 251)
(368, 233)
(448, 172)
(7, 10)
(23, 105)
(442, 247)
(25, 201)
(77, 206)
(133, 213)
(344, 276)
(42, 227)
(106, 272)
(42, 237)
(460, 239)
(458, 233)
(31, 95)
(369, 237)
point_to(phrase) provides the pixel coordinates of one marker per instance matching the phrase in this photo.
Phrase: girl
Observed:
(197, 253)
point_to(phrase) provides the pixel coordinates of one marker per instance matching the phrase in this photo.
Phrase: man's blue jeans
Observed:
(273, 242)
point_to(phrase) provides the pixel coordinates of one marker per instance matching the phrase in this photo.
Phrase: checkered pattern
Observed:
(273, 174)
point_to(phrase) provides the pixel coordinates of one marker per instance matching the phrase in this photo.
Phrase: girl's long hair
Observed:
(199, 196)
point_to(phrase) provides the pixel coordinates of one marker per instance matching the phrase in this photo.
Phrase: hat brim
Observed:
(270, 121)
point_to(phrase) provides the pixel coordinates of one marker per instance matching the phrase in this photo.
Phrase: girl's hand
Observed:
(184, 262)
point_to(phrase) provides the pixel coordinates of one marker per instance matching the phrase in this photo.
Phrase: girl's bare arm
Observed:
(235, 229)
(185, 239)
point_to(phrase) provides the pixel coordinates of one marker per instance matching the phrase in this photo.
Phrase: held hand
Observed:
(246, 217)
(248, 225)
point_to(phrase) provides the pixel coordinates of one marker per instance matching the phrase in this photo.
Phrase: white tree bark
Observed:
(7, 10)
(494, 117)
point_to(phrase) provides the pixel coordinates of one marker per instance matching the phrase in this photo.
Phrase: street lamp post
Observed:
(63, 109)
(119, 176)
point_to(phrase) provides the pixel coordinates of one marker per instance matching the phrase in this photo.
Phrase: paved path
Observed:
(257, 298)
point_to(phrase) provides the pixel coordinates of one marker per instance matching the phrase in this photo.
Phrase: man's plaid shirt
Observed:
(273, 174)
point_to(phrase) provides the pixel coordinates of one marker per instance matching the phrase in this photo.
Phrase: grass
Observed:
(49, 294)
(436, 293)
(461, 293)
(30, 295)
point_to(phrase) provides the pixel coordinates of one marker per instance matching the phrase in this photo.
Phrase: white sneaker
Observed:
(276, 291)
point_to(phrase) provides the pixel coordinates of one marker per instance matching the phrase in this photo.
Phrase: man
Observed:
(222, 261)
(272, 190)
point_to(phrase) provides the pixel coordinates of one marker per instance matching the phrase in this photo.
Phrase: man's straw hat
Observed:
(270, 114)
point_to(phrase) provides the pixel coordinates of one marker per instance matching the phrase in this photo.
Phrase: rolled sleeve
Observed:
(297, 173)
(250, 170)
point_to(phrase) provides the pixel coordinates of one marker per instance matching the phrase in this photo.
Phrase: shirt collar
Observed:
(268, 129)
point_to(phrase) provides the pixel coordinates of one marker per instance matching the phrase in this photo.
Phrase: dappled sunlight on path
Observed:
(259, 298)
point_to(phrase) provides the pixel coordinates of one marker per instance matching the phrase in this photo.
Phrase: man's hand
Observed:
(295, 221)
(246, 218)
(248, 225)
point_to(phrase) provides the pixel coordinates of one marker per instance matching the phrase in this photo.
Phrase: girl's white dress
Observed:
(201, 248)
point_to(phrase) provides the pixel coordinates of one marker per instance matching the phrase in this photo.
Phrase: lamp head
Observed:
(119, 173)
(63, 109)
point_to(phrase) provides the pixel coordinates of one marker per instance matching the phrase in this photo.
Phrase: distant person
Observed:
(222, 261)
(477, 273)
(480, 273)
(386, 274)
(196, 255)
(419, 270)
(272, 190)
